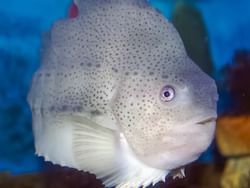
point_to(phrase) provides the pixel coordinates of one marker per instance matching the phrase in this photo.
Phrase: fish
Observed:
(117, 95)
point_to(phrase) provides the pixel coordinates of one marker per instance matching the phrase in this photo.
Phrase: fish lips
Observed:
(207, 121)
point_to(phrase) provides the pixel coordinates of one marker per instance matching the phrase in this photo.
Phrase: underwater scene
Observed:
(125, 93)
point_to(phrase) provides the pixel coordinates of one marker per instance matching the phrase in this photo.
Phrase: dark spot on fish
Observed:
(64, 108)
(52, 108)
(95, 113)
(165, 76)
(78, 109)
(42, 112)
(115, 70)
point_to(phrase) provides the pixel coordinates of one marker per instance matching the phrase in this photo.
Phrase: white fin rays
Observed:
(104, 152)
(96, 149)
(75, 141)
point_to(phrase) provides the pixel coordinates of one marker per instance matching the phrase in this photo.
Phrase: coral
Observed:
(233, 139)
(190, 25)
(233, 135)
(236, 173)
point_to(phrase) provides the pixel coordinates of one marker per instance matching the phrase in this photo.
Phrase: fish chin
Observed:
(184, 145)
(171, 160)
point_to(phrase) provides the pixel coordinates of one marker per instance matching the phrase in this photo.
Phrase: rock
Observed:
(233, 135)
(64, 177)
(22, 181)
(236, 173)
(197, 176)
(190, 25)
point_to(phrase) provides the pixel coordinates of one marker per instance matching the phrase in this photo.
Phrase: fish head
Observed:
(168, 114)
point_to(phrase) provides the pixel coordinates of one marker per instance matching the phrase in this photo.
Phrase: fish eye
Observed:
(167, 93)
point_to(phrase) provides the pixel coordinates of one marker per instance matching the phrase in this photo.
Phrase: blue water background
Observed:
(21, 25)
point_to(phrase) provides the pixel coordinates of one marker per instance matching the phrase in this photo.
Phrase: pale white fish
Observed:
(117, 95)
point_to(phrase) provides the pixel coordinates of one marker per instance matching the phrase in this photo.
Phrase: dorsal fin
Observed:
(85, 5)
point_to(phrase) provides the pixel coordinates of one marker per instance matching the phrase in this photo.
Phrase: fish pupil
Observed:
(166, 94)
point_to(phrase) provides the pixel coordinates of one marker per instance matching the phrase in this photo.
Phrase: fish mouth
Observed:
(207, 120)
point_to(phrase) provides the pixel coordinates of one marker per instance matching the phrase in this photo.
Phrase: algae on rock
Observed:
(190, 25)
(236, 173)
(233, 135)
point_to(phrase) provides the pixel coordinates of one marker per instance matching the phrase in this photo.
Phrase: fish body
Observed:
(117, 95)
